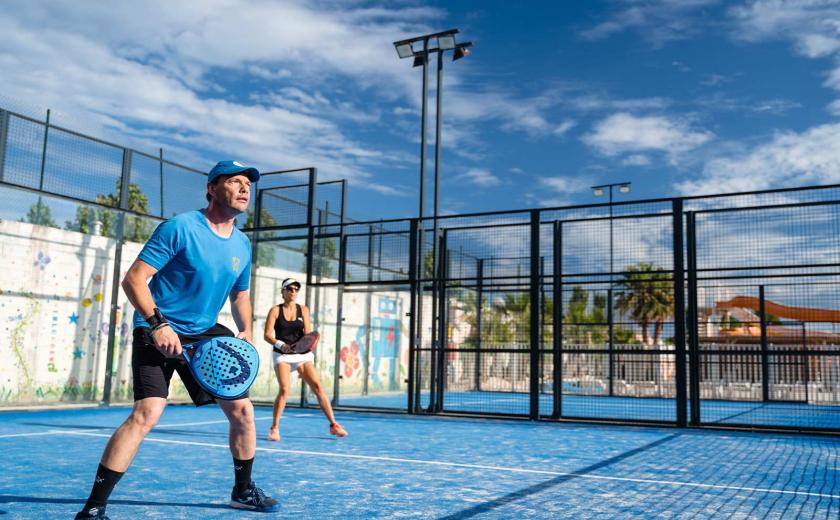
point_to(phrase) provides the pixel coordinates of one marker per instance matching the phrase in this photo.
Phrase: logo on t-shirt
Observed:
(235, 264)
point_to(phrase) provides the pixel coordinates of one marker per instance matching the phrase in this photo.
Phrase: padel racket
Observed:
(225, 367)
(306, 344)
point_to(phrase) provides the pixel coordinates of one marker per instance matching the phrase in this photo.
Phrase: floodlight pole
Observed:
(598, 191)
(439, 270)
(423, 127)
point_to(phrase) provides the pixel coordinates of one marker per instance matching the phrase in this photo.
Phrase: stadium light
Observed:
(445, 41)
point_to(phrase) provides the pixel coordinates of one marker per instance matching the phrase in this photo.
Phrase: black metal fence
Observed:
(717, 311)
(703, 311)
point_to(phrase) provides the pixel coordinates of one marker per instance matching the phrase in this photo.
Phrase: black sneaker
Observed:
(252, 499)
(94, 512)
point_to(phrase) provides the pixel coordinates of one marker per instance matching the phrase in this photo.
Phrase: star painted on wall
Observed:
(78, 353)
(74, 318)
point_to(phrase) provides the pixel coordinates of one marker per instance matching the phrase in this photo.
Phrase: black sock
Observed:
(242, 472)
(103, 484)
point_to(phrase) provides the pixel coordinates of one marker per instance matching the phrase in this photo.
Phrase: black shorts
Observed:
(152, 370)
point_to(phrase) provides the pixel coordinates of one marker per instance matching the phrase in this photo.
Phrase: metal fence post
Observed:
(442, 323)
(4, 136)
(534, 386)
(557, 344)
(125, 179)
(310, 251)
(413, 379)
(339, 310)
(479, 297)
(679, 311)
(692, 315)
(44, 152)
(765, 353)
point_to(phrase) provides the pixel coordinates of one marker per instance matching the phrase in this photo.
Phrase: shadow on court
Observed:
(556, 481)
(10, 499)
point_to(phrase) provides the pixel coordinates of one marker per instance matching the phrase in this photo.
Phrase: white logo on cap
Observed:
(236, 163)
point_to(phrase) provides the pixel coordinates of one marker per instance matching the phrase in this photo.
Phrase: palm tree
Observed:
(647, 297)
(514, 309)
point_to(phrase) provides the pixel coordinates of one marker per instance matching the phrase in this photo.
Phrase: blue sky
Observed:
(680, 97)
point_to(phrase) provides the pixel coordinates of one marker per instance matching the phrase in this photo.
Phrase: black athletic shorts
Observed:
(152, 370)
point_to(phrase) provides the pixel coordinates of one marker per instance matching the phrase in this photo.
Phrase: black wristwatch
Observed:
(156, 320)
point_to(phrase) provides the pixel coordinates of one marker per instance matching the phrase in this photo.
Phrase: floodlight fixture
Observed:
(624, 188)
(462, 50)
(404, 50)
(598, 191)
(446, 42)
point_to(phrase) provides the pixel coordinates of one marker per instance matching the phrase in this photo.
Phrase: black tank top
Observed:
(289, 331)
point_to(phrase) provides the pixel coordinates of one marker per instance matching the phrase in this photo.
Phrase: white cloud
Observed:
(812, 25)
(266, 73)
(626, 133)
(564, 127)
(564, 184)
(155, 73)
(479, 177)
(789, 159)
(636, 159)
(658, 21)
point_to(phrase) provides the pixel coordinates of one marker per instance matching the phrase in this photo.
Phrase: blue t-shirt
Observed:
(197, 269)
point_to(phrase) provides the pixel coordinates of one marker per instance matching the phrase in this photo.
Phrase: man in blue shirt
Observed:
(196, 261)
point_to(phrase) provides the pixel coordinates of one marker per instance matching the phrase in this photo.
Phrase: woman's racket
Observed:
(225, 367)
(306, 344)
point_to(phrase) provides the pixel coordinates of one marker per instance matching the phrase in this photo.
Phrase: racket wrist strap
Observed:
(156, 320)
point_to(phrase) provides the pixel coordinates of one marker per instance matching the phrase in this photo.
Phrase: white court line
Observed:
(48, 432)
(483, 467)
(158, 427)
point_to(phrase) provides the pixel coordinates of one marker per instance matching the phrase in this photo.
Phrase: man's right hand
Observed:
(167, 342)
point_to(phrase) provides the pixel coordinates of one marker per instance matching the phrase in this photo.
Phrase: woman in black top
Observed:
(287, 323)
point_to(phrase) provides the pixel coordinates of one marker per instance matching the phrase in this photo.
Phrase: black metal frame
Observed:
(684, 275)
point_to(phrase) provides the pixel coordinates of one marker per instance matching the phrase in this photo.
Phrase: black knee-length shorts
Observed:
(153, 371)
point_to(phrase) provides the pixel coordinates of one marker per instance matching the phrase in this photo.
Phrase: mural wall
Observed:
(55, 298)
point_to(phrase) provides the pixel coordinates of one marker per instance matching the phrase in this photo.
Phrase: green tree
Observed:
(40, 214)
(137, 229)
(514, 310)
(647, 297)
(582, 324)
(325, 253)
(265, 253)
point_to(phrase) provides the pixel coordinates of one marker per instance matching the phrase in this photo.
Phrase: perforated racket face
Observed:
(226, 367)
(307, 343)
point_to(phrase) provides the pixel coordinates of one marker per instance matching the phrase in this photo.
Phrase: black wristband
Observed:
(156, 320)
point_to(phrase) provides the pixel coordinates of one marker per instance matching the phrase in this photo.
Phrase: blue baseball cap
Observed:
(233, 168)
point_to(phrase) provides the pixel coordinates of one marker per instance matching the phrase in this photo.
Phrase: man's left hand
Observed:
(246, 336)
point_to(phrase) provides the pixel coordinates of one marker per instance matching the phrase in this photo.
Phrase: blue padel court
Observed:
(400, 466)
(713, 412)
